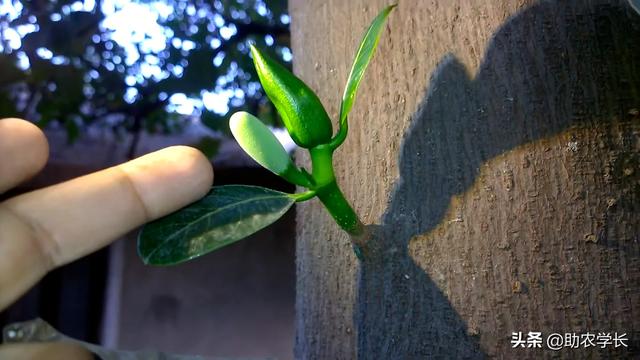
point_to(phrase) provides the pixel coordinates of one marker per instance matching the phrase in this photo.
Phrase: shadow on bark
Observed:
(528, 87)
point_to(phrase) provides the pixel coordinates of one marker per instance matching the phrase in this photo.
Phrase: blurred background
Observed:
(111, 80)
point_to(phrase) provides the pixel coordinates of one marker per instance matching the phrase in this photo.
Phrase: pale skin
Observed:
(50, 227)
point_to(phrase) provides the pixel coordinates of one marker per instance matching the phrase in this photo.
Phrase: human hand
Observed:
(53, 226)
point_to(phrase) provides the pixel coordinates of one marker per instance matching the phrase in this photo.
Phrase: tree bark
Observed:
(495, 148)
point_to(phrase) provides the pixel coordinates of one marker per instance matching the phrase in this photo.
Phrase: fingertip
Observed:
(169, 179)
(25, 134)
(189, 162)
(23, 140)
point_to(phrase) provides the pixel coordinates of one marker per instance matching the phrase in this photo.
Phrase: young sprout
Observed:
(302, 113)
(230, 213)
(259, 142)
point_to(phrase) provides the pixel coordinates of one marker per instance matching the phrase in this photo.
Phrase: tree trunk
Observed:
(496, 147)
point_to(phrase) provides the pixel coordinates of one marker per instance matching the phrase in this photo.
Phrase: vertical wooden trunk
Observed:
(496, 145)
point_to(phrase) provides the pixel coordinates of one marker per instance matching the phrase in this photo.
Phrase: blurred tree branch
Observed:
(70, 70)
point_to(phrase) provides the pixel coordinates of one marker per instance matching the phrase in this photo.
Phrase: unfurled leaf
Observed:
(225, 215)
(365, 52)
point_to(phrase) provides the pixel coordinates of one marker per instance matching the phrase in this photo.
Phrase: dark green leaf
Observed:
(365, 52)
(225, 215)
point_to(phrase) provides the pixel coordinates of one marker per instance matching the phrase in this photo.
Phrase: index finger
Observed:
(55, 225)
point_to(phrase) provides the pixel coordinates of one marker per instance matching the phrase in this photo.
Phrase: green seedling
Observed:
(230, 213)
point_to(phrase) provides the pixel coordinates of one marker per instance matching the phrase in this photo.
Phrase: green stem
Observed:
(322, 165)
(300, 197)
(339, 208)
(340, 136)
(329, 193)
(297, 177)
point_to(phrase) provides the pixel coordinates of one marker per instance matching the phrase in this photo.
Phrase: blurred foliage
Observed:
(69, 70)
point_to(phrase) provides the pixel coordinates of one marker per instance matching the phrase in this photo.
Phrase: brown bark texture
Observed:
(495, 149)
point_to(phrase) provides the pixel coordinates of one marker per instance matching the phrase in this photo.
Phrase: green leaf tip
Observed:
(225, 215)
(259, 142)
(365, 52)
(302, 112)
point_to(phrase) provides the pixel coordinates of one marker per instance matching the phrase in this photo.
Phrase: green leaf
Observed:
(225, 215)
(365, 52)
